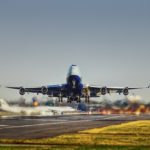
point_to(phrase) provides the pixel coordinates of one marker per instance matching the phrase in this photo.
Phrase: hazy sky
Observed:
(108, 39)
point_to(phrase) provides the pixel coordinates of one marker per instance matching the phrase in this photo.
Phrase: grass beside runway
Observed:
(83, 147)
(132, 135)
(37, 147)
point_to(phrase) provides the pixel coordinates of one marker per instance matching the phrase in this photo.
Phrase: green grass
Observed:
(83, 147)
(133, 136)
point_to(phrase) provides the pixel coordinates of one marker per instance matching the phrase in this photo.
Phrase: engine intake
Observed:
(126, 91)
(103, 90)
(22, 91)
(44, 90)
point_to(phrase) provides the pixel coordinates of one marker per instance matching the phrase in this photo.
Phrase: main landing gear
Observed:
(78, 99)
(70, 99)
(87, 99)
(60, 99)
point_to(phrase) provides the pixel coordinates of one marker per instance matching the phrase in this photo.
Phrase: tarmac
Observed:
(36, 127)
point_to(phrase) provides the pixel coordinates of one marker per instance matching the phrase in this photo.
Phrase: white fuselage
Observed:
(39, 110)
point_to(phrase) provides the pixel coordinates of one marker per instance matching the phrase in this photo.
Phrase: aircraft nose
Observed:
(72, 67)
(73, 70)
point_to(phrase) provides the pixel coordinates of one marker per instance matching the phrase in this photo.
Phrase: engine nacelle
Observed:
(125, 91)
(22, 91)
(44, 90)
(103, 90)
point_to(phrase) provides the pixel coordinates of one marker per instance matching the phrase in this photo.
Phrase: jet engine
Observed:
(125, 91)
(103, 90)
(44, 90)
(22, 91)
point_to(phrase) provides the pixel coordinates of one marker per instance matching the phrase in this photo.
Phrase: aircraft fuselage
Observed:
(74, 82)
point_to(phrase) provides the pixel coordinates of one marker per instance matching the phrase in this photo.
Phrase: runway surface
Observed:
(30, 127)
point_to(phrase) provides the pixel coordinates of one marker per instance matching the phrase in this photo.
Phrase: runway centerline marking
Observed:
(2, 125)
(32, 125)
(114, 117)
(61, 121)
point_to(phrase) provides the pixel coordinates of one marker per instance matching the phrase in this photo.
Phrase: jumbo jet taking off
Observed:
(74, 89)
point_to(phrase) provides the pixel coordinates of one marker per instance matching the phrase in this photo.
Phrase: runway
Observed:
(31, 127)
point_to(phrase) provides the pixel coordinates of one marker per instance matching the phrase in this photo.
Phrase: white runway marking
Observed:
(32, 125)
(63, 121)
(43, 120)
(113, 117)
(3, 125)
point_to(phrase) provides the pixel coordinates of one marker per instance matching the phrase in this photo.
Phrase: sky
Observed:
(108, 39)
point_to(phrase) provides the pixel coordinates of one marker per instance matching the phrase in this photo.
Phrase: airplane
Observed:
(74, 89)
(38, 110)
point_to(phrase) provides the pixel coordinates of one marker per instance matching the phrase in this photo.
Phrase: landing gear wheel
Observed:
(68, 100)
(78, 101)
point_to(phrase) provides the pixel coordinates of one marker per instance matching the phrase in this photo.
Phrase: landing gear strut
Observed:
(78, 100)
(87, 99)
(69, 100)
(60, 99)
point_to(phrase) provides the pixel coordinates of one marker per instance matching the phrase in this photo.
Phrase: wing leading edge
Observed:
(54, 90)
(98, 90)
(61, 90)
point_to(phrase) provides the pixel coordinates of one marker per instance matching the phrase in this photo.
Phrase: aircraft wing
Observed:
(98, 90)
(54, 90)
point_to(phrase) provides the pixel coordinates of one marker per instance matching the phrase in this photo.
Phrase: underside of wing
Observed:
(98, 90)
(54, 90)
